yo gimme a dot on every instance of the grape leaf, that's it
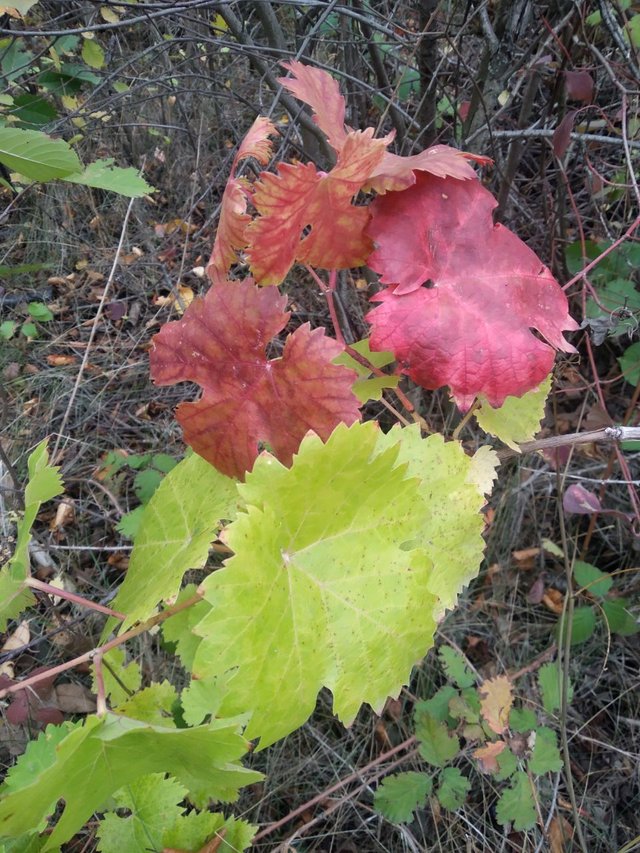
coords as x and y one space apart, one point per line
178 525
496 700
368 387
518 419
44 484
320 592
437 746
299 197
453 788
400 795
153 803
545 757
452 492
470 326
220 344
112 752
120 681
153 704
516 804
191 832
321 92
549 679
456 667
178 629
233 221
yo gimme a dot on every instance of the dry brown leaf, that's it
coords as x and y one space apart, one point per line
553 600
65 514
16 640
526 558
496 701
61 360
487 755
560 832
73 699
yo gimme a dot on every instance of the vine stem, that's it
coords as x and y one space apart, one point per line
102 650
34 583
604 254
613 433
357 774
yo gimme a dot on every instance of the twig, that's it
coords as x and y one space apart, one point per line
94 329
101 650
614 434
34 583
533 133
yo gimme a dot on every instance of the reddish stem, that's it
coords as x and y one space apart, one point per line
101 650
328 295
34 583
101 700
604 254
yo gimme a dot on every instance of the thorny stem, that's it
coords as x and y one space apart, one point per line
34 583
101 650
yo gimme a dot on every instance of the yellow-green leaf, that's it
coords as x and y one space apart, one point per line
518 419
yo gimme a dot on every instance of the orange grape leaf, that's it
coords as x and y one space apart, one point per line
233 221
321 92
220 344
300 198
487 756
496 699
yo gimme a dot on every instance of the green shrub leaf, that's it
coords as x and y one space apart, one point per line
516 805
399 796
35 155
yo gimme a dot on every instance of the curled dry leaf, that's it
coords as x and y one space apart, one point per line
487 756
496 699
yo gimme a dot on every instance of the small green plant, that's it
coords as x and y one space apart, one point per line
150 469
510 743
595 586
38 313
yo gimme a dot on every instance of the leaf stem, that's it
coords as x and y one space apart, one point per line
101 650
34 583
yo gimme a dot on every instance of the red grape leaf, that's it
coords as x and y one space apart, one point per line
220 344
300 197
470 326
321 92
233 221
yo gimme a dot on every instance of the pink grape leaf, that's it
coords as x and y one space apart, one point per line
579 85
299 197
469 326
220 344
321 92
233 221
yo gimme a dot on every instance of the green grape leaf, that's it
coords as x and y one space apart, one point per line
103 175
44 484
153 803
111 752
438 706
201 698
178 629
592 579
35 155
507 765
583 625
522 720
452 491
437 746
516 804
456 667
619 619
152 705
549 680
400 795
630 363
545 757
179 523
320 592
518 419
453 788
368 387
120 681
39 755
193 830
